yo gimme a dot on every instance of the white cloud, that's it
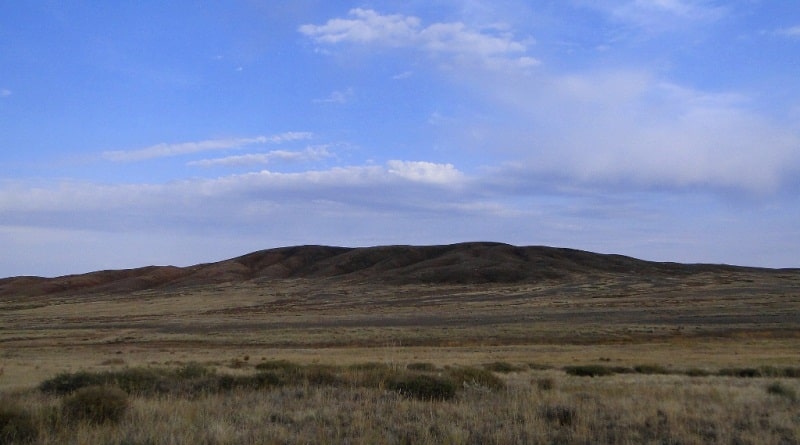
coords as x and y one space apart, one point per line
309 154
95 203
426 172
793 32
5 92
633 128
169 150
492 47
367 26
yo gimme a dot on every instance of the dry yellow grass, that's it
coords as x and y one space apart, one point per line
620 409
710 321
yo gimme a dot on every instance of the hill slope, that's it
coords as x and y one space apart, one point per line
463 263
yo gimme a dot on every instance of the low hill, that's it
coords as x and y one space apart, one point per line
464 263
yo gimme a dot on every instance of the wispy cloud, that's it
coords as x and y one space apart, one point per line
368 27
403 75
83 205
658 15
337 97
183 148
309 154
793 32
5 92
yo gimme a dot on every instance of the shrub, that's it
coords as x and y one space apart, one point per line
476 377
192 370
321 376
369 366
782 390
66 382
539 366
503 367
425 387
545 384
697 372
740 372
16 425
282 365
563 415
770 371
96 404
650 369
422 367
589 370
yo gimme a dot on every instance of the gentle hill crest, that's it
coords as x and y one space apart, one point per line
463 263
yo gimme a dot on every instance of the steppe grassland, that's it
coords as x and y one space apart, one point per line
699 324
535 406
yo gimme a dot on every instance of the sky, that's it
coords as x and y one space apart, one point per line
139 133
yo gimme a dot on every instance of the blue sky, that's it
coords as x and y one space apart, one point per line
138 133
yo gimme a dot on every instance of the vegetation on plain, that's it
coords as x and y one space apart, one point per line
288 402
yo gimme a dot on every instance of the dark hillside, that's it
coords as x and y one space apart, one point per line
465 263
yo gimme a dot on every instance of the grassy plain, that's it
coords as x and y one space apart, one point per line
704 321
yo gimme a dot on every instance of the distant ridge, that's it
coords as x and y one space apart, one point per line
463 263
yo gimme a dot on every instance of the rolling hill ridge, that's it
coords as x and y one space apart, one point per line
464 263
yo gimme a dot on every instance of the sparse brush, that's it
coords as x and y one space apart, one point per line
475 377
779 389
650 369
96 404
787 372
559 414
589 370
539 366
740 372
422 367
502 367
697 372
282 365
369 366
424 387
545 384
67 382
17 425
192 370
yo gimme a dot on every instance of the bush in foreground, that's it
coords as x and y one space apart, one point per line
779 389
424 387
476 377
96 404
16 425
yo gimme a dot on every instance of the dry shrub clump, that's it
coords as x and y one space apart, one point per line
424 387
387 403
16 424
96 404
782 390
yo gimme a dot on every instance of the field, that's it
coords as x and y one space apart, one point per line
703 355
